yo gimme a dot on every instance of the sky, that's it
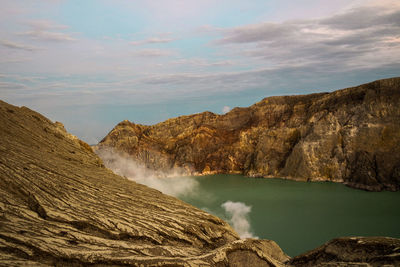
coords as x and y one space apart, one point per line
91 64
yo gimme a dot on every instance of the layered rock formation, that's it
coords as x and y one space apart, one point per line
60 206
350 136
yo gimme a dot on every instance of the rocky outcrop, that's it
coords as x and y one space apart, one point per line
350 136
352 251
59 206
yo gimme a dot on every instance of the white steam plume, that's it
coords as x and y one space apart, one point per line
239 220
226 109
170 183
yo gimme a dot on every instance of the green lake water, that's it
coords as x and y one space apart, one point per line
301 216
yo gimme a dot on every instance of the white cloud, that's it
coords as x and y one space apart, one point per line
48 31
12 86
382 3
149 52
46 25
14 60
154 40
202 62
49 36
19 46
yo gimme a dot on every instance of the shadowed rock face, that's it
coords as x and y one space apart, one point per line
350 136
353 251
60 206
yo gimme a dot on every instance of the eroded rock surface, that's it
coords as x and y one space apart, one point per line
350 136
353 251
60 206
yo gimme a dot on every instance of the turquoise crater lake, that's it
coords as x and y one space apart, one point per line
301 216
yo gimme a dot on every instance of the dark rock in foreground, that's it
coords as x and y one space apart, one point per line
353 251
350 136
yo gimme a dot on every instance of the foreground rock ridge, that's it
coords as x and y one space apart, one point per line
59 206
350 136
352 251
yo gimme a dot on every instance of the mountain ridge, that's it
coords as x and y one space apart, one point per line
348 136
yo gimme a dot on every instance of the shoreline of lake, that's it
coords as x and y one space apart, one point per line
301 215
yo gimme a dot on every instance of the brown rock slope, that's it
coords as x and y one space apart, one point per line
60 206
350 136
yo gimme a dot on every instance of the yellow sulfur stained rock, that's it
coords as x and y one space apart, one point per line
350 136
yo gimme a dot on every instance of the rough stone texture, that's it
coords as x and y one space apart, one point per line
350 136
353 251
60 206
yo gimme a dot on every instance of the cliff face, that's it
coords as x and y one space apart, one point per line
350 136
60 206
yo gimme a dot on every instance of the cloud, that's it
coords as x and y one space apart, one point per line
202 62
48 31
152 53
154 40
226 109
211 82
18 46
193 78
355 38
12 86
46 25
49 36
258 33
364 18
15 60
238 213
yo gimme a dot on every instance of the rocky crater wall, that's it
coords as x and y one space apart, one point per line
59 206
350 136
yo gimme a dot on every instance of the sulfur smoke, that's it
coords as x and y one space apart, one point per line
175 184
225 109
238 213
170 183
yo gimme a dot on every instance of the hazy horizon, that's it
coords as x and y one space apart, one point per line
93 64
